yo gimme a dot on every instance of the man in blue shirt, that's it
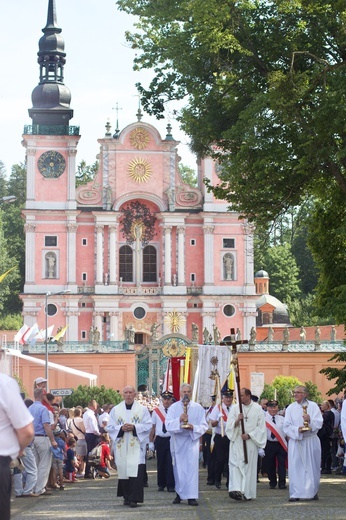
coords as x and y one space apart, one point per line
43 440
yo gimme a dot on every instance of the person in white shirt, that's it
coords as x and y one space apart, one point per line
104 418
276 447
218 419
92 432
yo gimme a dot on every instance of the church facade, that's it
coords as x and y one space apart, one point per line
136 253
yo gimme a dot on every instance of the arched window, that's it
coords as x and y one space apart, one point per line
126 263
149 264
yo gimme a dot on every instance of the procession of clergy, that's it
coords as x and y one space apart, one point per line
180 429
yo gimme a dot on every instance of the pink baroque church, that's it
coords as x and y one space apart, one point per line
136 253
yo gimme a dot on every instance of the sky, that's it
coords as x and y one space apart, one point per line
98 72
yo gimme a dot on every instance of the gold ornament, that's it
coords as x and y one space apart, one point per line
173 349
139 170
139 138
174 320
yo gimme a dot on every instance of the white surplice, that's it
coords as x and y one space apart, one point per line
243 477
304 450
185 447
129 450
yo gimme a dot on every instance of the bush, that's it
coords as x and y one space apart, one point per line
11 322
82 395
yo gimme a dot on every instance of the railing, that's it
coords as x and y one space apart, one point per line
73 347
51 130
139 290
90 289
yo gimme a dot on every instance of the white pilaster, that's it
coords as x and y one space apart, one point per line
99 254
71 252
208 254
72 168
29 253
30 168
168 255
72 322
113 326
113 255
181 255
98 319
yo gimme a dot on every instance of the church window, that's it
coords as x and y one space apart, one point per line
139 338
193 277
84 241
84 277
126 263
50 241
52 309
84 334
192 242
149 264
229 310
228 243
139 313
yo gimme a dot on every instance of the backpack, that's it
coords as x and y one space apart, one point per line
94 457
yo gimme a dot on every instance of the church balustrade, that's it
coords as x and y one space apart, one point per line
139 290
73 347
86 289
51 130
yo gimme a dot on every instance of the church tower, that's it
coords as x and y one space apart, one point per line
51 146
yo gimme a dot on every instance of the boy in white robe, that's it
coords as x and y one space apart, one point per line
243 477
304 447
185 445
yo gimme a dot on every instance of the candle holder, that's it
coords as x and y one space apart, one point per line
306 427
185 401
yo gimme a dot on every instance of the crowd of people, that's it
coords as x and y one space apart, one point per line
54 446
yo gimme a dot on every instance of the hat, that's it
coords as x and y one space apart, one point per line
272 403
227 393
167 395
57 430
39 380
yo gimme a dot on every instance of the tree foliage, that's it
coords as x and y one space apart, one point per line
263 86
86 173
335 374
83 394
282 387
188 175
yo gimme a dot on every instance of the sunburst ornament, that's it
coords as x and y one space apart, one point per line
139 170
174 320
139 138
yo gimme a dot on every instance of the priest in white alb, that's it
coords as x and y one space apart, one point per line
304 448
128 426
242 483
186 427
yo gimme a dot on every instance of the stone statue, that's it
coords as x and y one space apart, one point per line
317 334
270 334
108 197
333 333
96 336
216 335
253 335
238 335
205 336
171 198
51 261
194 332
131 334
286 335
153 330
106 278
91 335
174 280
228 266
60 341
302 334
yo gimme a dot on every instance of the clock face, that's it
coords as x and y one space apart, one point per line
51 164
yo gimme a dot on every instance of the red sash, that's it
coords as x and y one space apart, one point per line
224 416
277 434
160 414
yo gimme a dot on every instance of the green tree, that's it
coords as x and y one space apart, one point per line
82 395
6 263
264 82
283 272
86 173
188 175
335 374
282 387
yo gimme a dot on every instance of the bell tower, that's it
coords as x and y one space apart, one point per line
49 141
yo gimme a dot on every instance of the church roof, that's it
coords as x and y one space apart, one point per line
280 314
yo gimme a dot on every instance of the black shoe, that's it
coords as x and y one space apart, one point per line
133 504
236 495
272 487
126 502
294 499
160 489
171 490
192 502
210 482
89 475
218 485
177 500
146 484
326 472
283 487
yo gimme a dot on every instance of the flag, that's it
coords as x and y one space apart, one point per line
42 333
187 366
231 385
30 334
3 276
60 334
20 334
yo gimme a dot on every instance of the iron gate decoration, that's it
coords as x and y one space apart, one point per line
152 359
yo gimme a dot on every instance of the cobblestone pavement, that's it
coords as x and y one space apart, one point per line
96 499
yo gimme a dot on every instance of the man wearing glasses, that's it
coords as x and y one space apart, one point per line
303 419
